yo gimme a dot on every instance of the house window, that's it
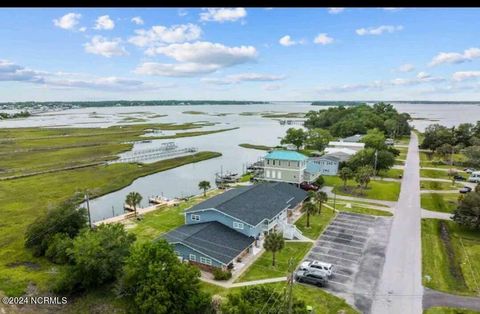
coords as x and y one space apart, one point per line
195 217
298 163
237 225
289 163
205 260
274 162
267 173
192 257
273 174
268 161
279 176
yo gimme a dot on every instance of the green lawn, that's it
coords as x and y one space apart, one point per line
436 174
399 162
377 189
403 140
163 220
439 202
317 223
436 185
262 268
437 161
449 310
446 264
321 301
391 173
420 136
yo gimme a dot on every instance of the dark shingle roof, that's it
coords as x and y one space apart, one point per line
212 239
253 204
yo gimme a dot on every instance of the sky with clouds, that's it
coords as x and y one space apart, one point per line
240 54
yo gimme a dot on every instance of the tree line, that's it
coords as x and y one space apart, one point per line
444 141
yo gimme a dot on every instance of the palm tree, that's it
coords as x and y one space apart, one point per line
321 198
133 199
274 242
345 174
204 185
310 209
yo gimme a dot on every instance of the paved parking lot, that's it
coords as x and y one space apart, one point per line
356 245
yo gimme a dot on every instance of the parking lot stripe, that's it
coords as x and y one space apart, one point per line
348 224
354 231
343 215
343 239
336 257
329 248
359 216
354 223
336 243
342 233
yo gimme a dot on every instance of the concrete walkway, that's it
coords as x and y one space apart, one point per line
436 215
229 285
439 191
433 298
441 169
400 290
387 179
328 190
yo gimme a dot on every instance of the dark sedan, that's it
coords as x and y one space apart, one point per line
465 189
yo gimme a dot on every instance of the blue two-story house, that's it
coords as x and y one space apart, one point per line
222 229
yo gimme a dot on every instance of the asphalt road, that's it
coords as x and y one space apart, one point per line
400 289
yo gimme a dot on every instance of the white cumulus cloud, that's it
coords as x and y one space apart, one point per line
465 75
223 14
69 21
379 30
335 10
196 58
455 57
158 35
104 22
287 41
137 20
100 45
323 39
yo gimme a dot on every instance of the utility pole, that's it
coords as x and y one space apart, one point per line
88 209
376 155
289 292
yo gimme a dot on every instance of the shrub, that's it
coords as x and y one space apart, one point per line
220 274
66 219
320 181
58 249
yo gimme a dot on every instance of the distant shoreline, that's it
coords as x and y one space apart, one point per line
44 106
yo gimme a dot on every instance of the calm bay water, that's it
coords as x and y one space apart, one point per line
253 129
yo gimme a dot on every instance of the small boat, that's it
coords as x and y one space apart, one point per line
159 200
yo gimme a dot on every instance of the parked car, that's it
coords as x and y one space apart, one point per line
326 268
465 189
312 277
469 170
459 177
309 186
474 177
